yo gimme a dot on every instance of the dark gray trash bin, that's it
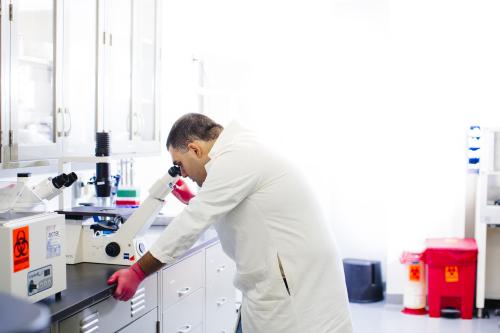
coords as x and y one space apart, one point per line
20 316
364 280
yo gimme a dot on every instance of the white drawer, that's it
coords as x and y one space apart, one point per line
186 315
218 265
220 308
182 279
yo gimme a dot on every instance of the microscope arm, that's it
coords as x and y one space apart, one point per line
47 189
144 215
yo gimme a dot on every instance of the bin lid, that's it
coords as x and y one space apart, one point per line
410 257
454 243
448 251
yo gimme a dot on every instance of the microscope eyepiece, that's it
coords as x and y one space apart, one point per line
174 171
59 181
72 177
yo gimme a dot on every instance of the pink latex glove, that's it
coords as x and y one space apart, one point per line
182 192
127 280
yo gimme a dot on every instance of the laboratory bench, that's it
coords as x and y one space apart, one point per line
195 294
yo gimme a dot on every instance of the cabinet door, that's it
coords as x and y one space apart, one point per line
144 60
220 301
35 126
116 71
185 316
77 85
182 279
128 67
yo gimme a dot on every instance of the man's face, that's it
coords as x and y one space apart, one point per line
191 163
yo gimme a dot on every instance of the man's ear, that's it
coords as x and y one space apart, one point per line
196 148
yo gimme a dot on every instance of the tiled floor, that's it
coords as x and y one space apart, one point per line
387 318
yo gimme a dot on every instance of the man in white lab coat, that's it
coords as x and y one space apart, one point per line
268 222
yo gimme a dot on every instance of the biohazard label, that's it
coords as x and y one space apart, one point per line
414 271
21 248
451 273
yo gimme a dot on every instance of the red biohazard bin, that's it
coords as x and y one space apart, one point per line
451 275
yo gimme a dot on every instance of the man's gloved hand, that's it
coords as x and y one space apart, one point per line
182 192
127 280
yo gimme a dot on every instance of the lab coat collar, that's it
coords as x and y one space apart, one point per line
223 142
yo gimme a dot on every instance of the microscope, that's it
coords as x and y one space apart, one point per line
119 238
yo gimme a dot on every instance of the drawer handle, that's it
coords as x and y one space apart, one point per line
221 268
138 310
183 291
91 323
185 329
95 328
222 301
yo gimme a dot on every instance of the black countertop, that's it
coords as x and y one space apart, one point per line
86 285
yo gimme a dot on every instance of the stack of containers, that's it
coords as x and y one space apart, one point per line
128 197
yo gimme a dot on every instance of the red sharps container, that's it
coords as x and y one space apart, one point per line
451 275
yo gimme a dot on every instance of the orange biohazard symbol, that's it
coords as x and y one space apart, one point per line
21 248
414 271
451 273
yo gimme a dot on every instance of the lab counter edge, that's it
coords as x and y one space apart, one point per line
86 285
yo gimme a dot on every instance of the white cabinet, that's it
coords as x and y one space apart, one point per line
220 300
198 293
182 279
128 80
73 67
34 126
50 78
76 75
185 316
183 294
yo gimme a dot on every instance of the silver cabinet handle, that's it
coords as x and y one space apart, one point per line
137 123
221 268
222 301
183 291
66 112
185 329
59 116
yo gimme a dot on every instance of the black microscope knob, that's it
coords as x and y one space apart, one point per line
113 249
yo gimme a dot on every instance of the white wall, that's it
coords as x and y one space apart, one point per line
371 97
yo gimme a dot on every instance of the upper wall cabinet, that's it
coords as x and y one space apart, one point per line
35 127
76 75
74 67
128 74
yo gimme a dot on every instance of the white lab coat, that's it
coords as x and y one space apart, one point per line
262 209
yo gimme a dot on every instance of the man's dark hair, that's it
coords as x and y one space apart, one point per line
190 127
